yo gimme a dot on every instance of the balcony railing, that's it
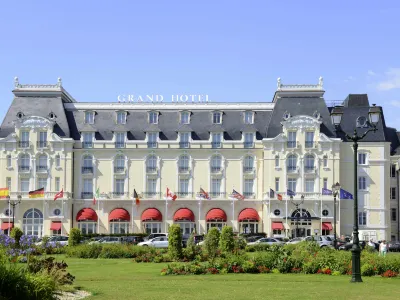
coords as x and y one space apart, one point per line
184 144
119 169
87 195
309 169
216 169
151 169
41 168
216 144
184 194
150 194
119 144
309 144
249 195
183 169
87 145
217 194
152 144
292 169
119 194
291 144
23 144
25 195
248 169
24 168
87 170
248 144
41 144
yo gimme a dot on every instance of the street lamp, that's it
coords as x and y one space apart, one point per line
297 204
13 203
374 114
335 190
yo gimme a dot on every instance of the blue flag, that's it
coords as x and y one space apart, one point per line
290 193
345 194
326 192
271 193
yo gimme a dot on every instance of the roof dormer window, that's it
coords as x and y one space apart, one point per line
121 117
89 117
185 117
217 117
153 117
248 117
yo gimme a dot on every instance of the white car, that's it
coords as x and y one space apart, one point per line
322 240
158 242
295 240
266 241
108 240
55 239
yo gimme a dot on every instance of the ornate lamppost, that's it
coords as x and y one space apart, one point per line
335 190
297 204
13 204
374 114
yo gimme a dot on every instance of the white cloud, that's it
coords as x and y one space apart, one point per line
395 103
371 73
392 80
350 78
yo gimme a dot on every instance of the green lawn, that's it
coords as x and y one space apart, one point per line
124 279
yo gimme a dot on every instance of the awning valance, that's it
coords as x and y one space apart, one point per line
86 214
327 226
216 214
277 226
55 225
249 214
151 214
184 214
119 214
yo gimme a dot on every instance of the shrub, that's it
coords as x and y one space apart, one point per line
57 270
258 248
367 270
240 244
75 237
84 251
227 242
211 242
389 273
16 234
175 242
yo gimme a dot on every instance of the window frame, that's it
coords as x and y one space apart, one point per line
214 117
393 214
245 117
362 183
290 182
153 120
393 193
364 160
89 117
362 218
181 119
392 170
118 120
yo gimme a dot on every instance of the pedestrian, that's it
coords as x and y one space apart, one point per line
383 248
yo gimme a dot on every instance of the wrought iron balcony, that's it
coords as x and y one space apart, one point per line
248 169
87 195
119 144
248 144
41 144
216 144
309 144
309 169
41 169
87 145
150 194
119 169
249 195
119 194
24 168
216 169
183 169
152 144
291 144
184 194
292 169
217 194
87 170
23 144
184 145
151 169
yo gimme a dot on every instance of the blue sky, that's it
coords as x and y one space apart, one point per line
230 50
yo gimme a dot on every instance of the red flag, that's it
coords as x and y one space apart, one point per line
170 195
279 197
59 195
136 196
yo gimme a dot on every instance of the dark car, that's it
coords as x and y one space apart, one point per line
132 240
253 238
394 246
197 239
349 245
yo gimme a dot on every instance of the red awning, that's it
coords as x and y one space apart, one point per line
277 226
151 214
216 214
6 225
184 214
327 226
248 214
119 214
55 225
86 214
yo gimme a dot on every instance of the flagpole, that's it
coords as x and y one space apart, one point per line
269 214
320 213
9 215
198 219
287 226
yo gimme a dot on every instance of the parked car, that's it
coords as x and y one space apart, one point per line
362 244
253 238
158 242
154 235
132 240
295 240
55 239
322 240
394 246
108 240
266 241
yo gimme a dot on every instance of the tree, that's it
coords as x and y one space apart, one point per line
75 237
227 241
175 242
190 250
16 234
211 242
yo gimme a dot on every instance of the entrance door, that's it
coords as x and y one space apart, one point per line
301 232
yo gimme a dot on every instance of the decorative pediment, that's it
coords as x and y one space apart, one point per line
301 122
34 122
324 139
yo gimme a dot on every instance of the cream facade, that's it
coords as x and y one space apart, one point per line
100 153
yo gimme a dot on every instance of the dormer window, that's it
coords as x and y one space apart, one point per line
89 117
217 117
185 117
121 117
248 117
153 117
20 115
120 139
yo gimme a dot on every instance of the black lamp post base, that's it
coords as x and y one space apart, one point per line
356 264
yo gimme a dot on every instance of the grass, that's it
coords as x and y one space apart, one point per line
124 279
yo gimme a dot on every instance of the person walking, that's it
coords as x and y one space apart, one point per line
383 248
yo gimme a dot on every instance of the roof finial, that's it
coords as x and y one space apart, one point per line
16 82
279 83
321 81
59 83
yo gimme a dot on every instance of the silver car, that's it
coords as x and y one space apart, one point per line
266 241
322 240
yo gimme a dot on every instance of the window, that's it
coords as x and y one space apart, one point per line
120 140
87 188
249 140
248 117
58 161
309 139
24 142
277 184
24 184
393 214
152 138
119 164
87 167
151 163
276 161
248 164
393 193
42 165
392 170
325 212
183 187
119 187
57 212
325 184
121 117
8 183
292 184
57 183
216 140
277 212
325 161
152 227
89 117
291 139
309 186
248 188
184 140
185 117
309 161
183 163
33 222
362 218
153 117
216 163
87 227
217 118
362 183
362 158
24 162
42 183
87 139
42 139
9 161
151 186
215 187
292 163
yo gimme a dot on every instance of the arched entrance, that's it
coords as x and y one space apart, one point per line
151 220
216 217
33 222
301 223
185 218
87 221
248 221
119 221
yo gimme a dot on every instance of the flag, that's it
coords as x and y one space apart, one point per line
345 194
279 197
4 192
204 195
59 195
236 195
136 196
97 195
290 193
271 193
39 193
326 192
170 195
